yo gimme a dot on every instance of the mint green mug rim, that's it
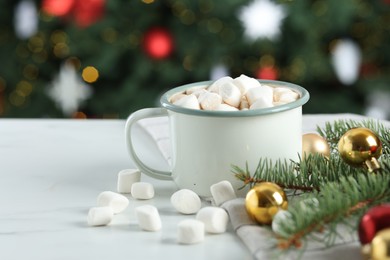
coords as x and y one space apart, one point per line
304 98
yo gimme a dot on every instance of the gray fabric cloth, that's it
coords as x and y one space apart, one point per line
259 239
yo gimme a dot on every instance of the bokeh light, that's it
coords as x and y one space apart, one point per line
90 74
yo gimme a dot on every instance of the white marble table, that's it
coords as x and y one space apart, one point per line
51 172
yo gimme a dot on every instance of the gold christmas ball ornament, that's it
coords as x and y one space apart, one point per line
380 245
314 143
360 147
264 200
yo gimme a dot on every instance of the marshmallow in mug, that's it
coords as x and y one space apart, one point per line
228 94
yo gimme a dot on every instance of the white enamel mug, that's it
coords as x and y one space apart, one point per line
205 144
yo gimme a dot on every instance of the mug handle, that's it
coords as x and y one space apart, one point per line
132 119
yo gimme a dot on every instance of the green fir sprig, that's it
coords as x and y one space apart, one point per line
342 193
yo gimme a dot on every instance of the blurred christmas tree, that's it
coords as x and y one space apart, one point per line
99 58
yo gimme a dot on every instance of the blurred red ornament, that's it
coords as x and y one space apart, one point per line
84 12
158 43
58 7
374 220
267 72
87 12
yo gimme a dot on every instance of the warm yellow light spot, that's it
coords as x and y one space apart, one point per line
79 115
58 36
109 35
267 61
90 74
16 98
24 88
148 1
30 72
187 17
35 44
40 57
61 50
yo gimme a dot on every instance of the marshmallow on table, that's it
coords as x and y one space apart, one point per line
263 91
244 83
142 190
190 231
215 219
230 94
126 178
186 201
214 87
222 192
116 201
148 218
209 100
189 101
100 216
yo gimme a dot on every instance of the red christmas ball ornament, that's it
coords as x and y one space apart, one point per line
87 12
158 43
58 7
374 220
267 72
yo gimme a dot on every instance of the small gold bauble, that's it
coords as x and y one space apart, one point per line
380 245
314 143
264 200
359 147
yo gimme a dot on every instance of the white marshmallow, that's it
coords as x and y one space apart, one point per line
263 91
186 201
199 92
100 216
148 218
285 95
192 90
222 192
189 101
176 97
215 219
230 94
244 83
214 87
190 231
126 178
225 107
209 101
244 103
142 190
117 202
261 102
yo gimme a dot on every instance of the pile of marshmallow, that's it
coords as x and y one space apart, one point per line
210 219
228 94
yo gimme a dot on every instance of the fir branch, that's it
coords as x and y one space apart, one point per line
306 175
333 131
336 203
